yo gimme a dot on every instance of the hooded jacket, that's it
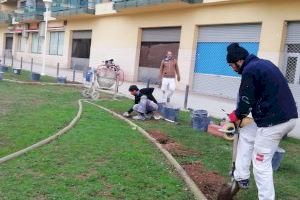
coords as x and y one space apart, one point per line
265 93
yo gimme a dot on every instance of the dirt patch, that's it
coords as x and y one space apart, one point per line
209 183
171 146
86 175
178 150
160 137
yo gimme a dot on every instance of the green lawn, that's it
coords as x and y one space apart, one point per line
96 160
216 152
100 158
30 113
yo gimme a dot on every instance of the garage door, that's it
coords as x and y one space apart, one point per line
292 59
212 75
155 42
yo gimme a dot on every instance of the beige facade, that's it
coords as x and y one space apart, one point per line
118 35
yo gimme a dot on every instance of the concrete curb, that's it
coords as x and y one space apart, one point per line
47 140
190 183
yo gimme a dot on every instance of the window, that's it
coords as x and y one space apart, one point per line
37 43
81 48
22 43
152 53
56 43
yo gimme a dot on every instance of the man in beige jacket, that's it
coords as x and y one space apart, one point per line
168 72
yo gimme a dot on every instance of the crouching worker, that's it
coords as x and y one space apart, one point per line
144 103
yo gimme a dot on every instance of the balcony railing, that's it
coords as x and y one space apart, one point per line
123 4
73 7
58 8
29 14
5 17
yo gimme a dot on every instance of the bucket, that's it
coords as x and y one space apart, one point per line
17 71
200 120
168 112
277 158
4 68
88 76
35 76
62 79
1 76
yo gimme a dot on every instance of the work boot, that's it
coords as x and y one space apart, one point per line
243 184
139 117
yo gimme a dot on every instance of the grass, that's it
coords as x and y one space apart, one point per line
95 160
29 113
216 152
100 158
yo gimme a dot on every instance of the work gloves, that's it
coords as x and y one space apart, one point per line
232 117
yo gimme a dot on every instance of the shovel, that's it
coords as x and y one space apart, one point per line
229 190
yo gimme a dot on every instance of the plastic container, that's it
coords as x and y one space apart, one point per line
200 120
17 71
277 158
62 79
88 76
168 112
4 68
1 76
35 76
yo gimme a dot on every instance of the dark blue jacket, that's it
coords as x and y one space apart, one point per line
265 93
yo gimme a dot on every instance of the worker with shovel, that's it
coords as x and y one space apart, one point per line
145 104
265 93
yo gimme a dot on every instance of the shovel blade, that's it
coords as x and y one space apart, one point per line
228 191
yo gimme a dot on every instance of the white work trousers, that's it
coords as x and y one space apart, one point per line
260 144
168 87
145 106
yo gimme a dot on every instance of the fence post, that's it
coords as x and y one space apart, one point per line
21 67
186 96
31 65
148 83
74 73
57 70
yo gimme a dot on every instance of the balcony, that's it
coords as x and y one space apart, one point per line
5 18
66 8
121 5
28 14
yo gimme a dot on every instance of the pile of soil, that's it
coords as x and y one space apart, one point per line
209 183
171 146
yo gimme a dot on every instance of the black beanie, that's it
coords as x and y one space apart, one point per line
236 53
